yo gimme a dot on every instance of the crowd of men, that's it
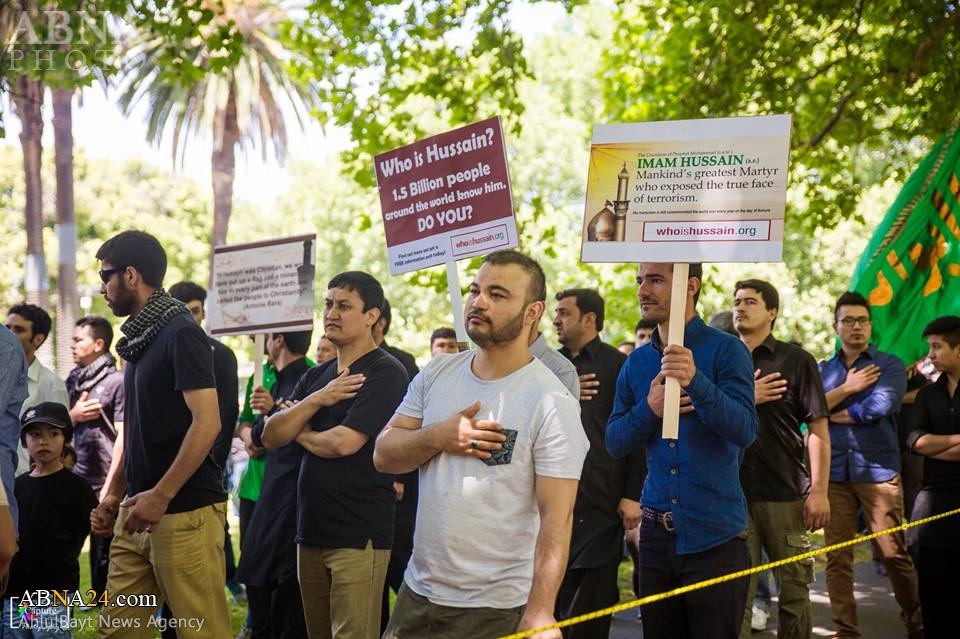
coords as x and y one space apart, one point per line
493 491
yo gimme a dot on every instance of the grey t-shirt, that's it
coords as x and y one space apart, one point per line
477 524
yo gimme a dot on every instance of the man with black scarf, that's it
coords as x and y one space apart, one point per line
168 536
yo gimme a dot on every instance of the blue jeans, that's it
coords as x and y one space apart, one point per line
36 622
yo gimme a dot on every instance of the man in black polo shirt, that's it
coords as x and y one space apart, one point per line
344 506
168 537
784 500
935 434
609 491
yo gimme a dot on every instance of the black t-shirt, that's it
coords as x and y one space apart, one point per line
405 358
157 417
936 412
597 527
344 502
774 466
54 522
225 377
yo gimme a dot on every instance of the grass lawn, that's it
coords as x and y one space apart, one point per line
238 612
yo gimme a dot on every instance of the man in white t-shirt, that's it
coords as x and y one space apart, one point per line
498 442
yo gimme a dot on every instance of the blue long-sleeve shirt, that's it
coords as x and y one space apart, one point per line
867 450
13 390
696 477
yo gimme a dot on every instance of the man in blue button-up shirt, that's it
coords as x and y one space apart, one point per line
864 388
694 518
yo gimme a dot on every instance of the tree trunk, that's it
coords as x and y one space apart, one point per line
27 96
67 300
223 164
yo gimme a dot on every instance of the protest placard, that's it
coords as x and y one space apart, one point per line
263 287
687 191
446 197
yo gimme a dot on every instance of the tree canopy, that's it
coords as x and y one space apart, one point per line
862 79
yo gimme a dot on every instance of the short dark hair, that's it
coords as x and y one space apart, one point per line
696 270
99 327
38 317
297 342
538 282
588 301
771 298
850 298
643 323
444 332
138 249
386 316
365 285
187 292
723 321
947 326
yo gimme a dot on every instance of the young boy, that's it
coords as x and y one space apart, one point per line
55 510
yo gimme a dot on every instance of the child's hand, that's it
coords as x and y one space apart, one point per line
104 516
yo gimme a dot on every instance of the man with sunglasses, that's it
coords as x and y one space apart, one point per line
864 388
167 494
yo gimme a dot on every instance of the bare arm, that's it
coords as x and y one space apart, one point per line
951 454
339 441
816 508
555 498
283 427
405 444
104 515
147 507
930 445
115 482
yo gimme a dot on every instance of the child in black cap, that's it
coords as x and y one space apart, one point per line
55 510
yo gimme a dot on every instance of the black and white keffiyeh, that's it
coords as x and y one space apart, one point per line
142 328
86 378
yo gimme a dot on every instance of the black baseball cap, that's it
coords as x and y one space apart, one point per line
51 413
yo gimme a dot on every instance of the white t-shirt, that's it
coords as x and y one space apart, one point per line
477 524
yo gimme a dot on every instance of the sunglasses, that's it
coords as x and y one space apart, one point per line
107 273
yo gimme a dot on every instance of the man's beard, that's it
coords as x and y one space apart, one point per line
496 334
124 301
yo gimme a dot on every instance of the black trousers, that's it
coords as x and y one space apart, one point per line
938 571
585 590
99 562
715 611
277 613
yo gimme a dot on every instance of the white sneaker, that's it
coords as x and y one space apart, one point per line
758 621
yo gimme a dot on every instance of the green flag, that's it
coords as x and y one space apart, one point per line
910 271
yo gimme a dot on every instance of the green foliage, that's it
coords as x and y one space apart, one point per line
65 44
861 80
110 197
238 68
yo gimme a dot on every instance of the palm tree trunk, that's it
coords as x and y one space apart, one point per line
67 300
223 164
27 98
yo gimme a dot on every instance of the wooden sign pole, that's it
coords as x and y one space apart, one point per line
678 310
258 360
456 304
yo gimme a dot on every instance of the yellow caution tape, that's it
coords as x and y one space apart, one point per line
718 580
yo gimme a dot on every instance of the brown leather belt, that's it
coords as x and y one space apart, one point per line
657 517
